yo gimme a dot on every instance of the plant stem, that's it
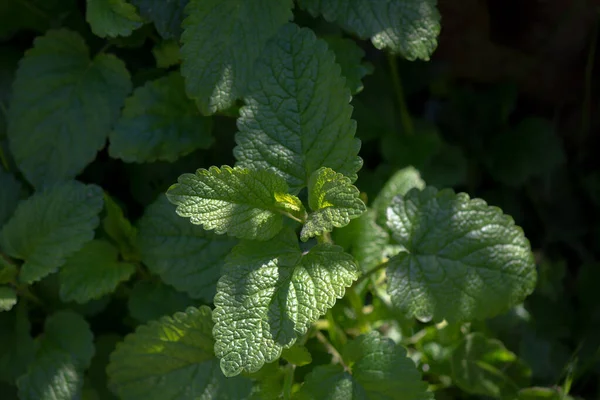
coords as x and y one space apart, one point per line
288 381
337 357
407 124
370 272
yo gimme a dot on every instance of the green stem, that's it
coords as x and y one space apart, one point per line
405 118
288 381
337 357
370 272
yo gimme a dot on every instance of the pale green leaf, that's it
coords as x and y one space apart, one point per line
464 260
379 370
166 53
297 355
17 347
270 293
229 35
167 15
120 229
52 376
240 202
92 272
349 57
333 201
9 195
297 117
152 300
50 226
112 18
8 298
399 184
173 359
406 27
364 239
63 106
184 255
159 123
485 367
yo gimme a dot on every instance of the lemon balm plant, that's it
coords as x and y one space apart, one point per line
267 265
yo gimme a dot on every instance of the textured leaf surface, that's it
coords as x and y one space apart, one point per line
464 260
152 300
63 106
50 226
333 201
399 184
8 298
364 239
270 293
297 116
406 27
9 195
350 58
52 376
231 34
92 272
240 202
484 366
184 255
159 122
167 15
379 370
173 359
112 17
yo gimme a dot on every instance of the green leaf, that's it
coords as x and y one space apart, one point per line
399 184
173 359
159 122
530 149
52 376
268 382
58 94
297 117
240 202
333 201
50 226
270 293
349 57
112 17
36 15
364 239
378 369
166 53
406 27
92 272
166 15
9 195
8 271
484 366
105 345
152 300
8 298
184 255
297 355
119 229
541 393
464 260
69 333
233 33
17 347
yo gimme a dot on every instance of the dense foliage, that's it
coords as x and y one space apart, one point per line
264 199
